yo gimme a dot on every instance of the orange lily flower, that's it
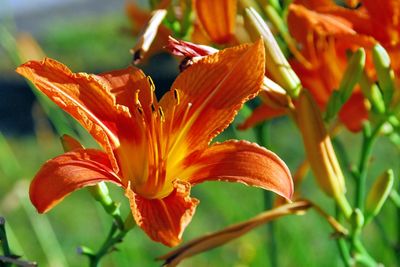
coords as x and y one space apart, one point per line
217 19
157 150
325 39
328 30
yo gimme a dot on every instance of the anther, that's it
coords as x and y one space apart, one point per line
137 102
153 108
176 96
161 113
152 86
140 110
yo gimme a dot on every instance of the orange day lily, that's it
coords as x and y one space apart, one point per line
157 150
328 30
325 39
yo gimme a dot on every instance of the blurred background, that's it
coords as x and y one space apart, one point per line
95 36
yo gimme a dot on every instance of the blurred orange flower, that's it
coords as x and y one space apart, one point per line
157 150
217 19
325 38
326 31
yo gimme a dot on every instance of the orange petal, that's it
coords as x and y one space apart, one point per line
99 103
212 91
385 20
217 18
243 162
164 220
313 4
78 94
66 173
69 143
354 112
261 114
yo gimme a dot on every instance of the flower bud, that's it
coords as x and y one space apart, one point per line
378 194
350 78
318 147
384 72
275 62
148 35
373 93
273 95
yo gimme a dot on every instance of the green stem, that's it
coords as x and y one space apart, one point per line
362 255
358 251
262 133
369 139
115 236
105 248
341 242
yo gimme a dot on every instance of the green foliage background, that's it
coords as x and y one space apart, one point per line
93 45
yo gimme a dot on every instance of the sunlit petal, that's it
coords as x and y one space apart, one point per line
164 220
66 173
243 162
217 18
212 91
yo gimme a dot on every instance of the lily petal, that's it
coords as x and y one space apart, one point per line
212 91
359 112
66 173
260 114
243 162
164 220
79 94
217 18
99 103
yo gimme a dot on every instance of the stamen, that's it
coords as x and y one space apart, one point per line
161 114
182 132
137 101
176 96
152 86
140 110
153 107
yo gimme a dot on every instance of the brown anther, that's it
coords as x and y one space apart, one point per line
153 108
152 86
161 113
176 96
140 110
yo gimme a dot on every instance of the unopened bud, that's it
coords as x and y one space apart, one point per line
275 61
357 221
384 72
378 194
273 95
372 92
318 147
148 35
350 78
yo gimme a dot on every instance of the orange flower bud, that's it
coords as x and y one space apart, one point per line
318 146
274 95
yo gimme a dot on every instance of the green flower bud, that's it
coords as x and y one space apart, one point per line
275 61
384 72
378 194
350 78
373 93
